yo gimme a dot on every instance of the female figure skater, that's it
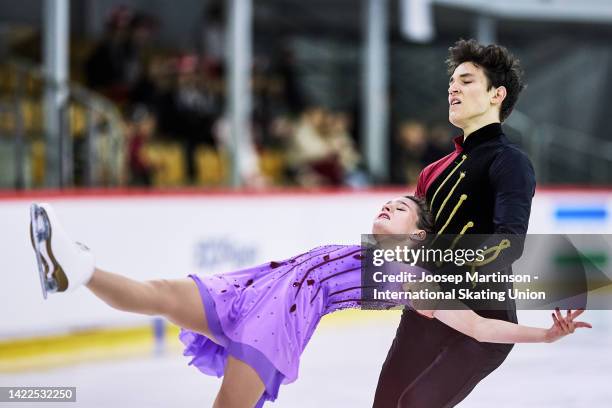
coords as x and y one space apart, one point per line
251 326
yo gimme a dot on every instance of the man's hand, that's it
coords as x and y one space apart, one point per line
562 326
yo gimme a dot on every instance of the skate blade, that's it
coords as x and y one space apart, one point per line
40 235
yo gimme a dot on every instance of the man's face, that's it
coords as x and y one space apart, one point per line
468 97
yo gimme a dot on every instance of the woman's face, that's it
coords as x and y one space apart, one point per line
398 216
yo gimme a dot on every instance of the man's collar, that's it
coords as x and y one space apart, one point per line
478 137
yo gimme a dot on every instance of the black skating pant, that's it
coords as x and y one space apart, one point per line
430 365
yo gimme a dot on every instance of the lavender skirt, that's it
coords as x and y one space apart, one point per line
265 315
211 358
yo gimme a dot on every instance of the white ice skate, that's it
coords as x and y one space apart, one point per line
63 264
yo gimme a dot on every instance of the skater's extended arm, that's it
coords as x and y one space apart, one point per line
499 331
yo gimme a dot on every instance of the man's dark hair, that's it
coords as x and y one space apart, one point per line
425 221
500 67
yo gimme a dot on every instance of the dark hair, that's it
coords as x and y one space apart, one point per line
425 221
500 67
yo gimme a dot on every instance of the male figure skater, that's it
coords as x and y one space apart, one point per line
484 187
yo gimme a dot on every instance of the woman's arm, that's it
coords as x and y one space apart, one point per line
499 331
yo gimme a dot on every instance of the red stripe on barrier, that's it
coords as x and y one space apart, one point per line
136 193
141 193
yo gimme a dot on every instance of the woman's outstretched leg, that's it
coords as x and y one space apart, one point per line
241 387
178 300
64 265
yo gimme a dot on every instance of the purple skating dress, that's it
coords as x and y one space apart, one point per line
266 315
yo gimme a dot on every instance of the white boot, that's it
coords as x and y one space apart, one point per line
63 264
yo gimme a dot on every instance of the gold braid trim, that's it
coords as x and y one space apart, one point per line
452 214
503 244
470 224
450 193
445 180
450 217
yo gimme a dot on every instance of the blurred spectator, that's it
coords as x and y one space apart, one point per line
116 63
412 141
308 152
338 136
322 152
141 128
105 65
142 27
189 110
154 82
211 37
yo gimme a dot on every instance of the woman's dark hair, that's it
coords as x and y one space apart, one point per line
425 221
500 67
